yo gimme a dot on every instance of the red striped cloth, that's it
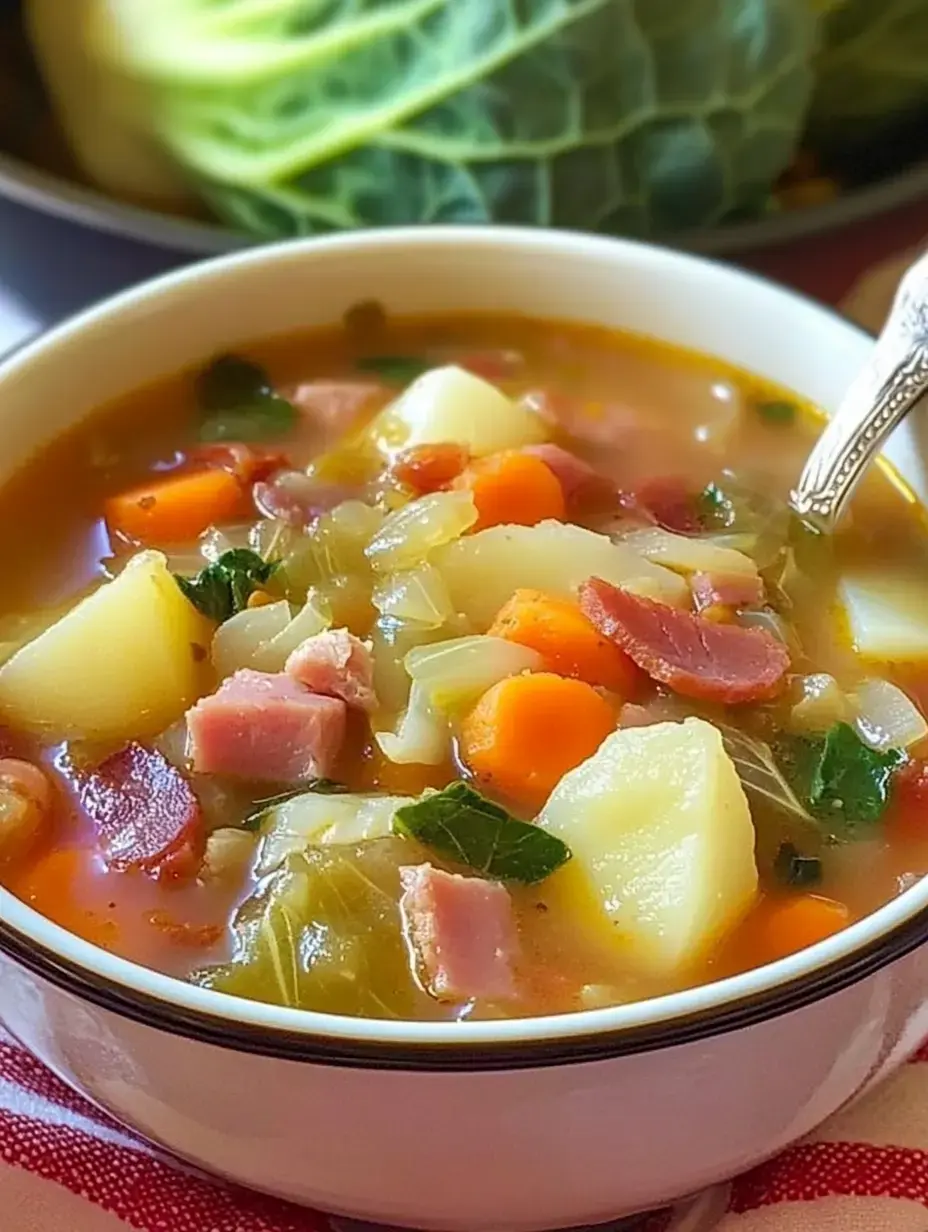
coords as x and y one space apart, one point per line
66 1165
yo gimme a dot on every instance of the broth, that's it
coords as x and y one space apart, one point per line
680 436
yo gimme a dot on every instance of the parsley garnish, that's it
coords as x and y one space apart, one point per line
464 827
224 587
239 403
844 782
778 411
322 787
795 869
715 510
397 369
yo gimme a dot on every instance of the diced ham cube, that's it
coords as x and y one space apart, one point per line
726 590
268 727
337 664
144 811
335 405
463 933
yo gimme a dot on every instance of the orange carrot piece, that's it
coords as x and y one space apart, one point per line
52 884
174 509
569 643
513 487
527 731
782 926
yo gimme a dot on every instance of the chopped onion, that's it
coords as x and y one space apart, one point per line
770 622
237 642
392 640
688 555
315 616
228 854
455 673
418 594
422 736
887 718
822 703
407 536
172 745
316 819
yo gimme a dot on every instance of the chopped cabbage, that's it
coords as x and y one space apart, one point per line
316 819
454 674
482 570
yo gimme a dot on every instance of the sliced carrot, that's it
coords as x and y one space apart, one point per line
174 509
569 643
52 886
513 487
782 926
527 731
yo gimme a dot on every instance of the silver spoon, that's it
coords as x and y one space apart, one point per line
893 381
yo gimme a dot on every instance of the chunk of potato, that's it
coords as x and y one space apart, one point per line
886 613
450 404
481 571
124 663
663 844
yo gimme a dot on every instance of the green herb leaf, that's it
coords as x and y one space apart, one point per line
461 825
845 783
323 787
852 780
225 586
239 402
795 869
778 411
397 369
714 508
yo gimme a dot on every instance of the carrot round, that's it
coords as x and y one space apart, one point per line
527 731
174 509
782 926
569 643
513 487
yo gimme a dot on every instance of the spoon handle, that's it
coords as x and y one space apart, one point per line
893 380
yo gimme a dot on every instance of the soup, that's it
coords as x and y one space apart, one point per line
461 667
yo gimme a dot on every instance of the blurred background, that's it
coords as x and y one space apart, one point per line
788 135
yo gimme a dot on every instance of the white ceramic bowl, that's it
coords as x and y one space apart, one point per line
517 1125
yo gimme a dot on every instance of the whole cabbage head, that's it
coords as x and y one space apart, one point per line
298 117
871 70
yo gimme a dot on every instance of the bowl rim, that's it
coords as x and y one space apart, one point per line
167 1003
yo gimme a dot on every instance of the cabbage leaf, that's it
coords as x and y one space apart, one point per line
301 117
871 70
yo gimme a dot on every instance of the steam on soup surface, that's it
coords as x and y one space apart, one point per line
466 666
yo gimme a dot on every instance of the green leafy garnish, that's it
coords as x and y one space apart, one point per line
845 782
795 869
778 411
397 369
265 806
240 403
224 587
461 825
714 508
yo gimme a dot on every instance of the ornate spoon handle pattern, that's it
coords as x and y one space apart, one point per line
893 381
